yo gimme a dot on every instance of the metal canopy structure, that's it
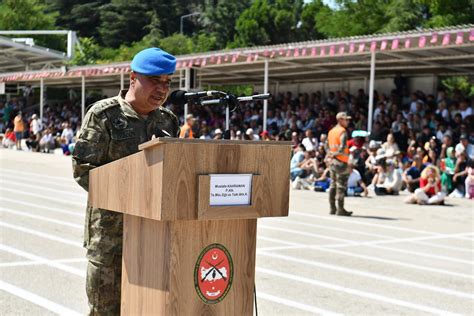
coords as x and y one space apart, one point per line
16 56
434 52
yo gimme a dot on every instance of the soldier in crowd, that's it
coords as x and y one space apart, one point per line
112 129
338 159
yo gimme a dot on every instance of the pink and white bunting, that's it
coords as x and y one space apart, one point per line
383 45
459 38
342 48
373 46
395 43
351 48
204 62
361 47
446 39
434 38
408 43
471 36
313 52
332 50
322 52
422 41
296 52
303 51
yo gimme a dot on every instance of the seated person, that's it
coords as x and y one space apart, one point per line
388 179
47 142
429 191
32 143
322 183
470 181
411 176
296 163
355 185
9 139
447 167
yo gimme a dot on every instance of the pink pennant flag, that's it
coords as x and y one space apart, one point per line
288 52
303 51
219 59
178 64
313 51
281 52
226 58
407 43
446 39
255 57
249 58
265 53
383 45
342 48
373 46
272 54
204 61
351 48
459 38
434 38
395 43
361 47
235 57
191 62
422 41
471 36
323 51
213 59
332 50
296 52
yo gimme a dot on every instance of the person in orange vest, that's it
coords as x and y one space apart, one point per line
19 129
338 160
187 128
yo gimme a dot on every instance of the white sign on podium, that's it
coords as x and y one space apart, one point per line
230 189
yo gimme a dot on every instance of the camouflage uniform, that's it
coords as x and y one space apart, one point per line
339 175
111 130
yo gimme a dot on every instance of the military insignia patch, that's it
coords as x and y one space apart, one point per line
213 273
120 123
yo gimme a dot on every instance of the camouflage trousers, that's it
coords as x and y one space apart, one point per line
103 286
339 176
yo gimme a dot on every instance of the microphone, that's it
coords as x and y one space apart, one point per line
180 97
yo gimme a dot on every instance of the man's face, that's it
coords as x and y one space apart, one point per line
344 122
150 91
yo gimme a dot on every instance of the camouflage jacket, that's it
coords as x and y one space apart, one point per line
112 130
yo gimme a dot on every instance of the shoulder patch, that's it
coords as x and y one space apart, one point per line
104 104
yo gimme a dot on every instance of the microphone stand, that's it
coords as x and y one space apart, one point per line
230 100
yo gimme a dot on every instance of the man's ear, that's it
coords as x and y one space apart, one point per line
133 77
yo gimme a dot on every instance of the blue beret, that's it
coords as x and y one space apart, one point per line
153 62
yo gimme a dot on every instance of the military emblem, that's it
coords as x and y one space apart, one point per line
120 123
213 273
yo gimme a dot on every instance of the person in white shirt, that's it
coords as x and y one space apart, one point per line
310 142
464 145
35 126
355 185
47 141
67 134
465 109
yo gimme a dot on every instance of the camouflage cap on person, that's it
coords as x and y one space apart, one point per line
343 115
153 62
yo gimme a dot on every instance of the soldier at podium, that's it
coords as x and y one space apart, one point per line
112 129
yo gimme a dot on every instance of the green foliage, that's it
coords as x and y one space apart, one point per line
25 15
177 44
237 90
462 83
447 12
87 52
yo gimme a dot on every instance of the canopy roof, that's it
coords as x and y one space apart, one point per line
17 56
443 51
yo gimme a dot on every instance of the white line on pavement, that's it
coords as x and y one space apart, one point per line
369 295
354 220
36 299
37 262
366 274
40 175
42 218
451 248
300 306
41 196
43 181
298 232
42 188
47 262
46 208
40 234
283 242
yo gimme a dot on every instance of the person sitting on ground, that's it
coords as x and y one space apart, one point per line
47 142
411 176
447 166
429 191
390 146
296 163
355 185
32 143
9 139
322 183
388 179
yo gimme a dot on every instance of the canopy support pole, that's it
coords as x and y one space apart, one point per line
83 96
187 85
265 90
41 99
371 93
121 81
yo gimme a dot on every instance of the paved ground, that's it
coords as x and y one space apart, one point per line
389 259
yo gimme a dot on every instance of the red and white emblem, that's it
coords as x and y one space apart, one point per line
213 273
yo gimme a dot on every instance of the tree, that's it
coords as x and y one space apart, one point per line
177 44
219 19
441 13
123 23
308 29
86 52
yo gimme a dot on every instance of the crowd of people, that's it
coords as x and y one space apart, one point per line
419 142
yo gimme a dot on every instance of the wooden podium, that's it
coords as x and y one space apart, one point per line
182 256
